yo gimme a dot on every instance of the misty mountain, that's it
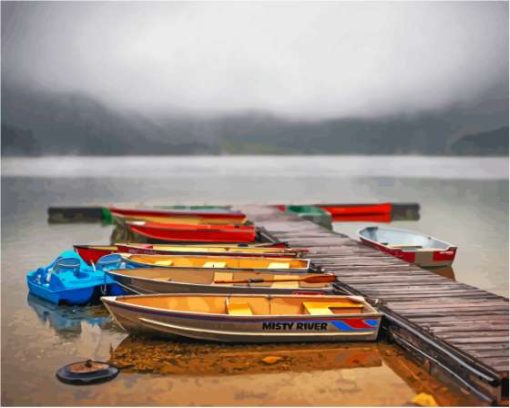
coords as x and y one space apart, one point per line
485 143
42 123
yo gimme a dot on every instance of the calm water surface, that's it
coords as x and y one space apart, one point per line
464 201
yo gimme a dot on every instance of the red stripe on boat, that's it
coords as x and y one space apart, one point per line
357 323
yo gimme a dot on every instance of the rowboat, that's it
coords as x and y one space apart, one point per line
179 219
68 279
224 262
359 212
168 280
247 318
168 212
409 246
92 253
198 233
223 250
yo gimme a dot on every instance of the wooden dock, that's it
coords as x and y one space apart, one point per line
450 327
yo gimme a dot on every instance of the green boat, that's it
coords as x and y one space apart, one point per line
311 213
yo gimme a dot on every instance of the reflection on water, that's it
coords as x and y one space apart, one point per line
194 358
348 366
67 320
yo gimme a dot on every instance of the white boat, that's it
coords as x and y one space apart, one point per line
247 318
175 280
410 246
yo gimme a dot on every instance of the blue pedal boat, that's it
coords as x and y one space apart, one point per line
70 280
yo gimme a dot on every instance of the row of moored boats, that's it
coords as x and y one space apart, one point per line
206 274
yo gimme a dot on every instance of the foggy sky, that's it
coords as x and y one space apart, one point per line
310 60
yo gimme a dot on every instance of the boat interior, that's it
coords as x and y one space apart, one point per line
197 261
181 219
240 305
207 249
402 239
209 277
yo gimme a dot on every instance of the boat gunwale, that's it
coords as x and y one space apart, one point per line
450 247
109 300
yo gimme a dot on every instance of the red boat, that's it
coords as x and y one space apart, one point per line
379 212
194 233
133 212
359 212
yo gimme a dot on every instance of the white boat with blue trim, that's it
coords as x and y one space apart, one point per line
241 318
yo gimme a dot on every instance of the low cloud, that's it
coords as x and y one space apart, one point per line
301 60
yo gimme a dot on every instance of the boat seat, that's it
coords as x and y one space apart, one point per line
239 309
214 264
278 265
165 262
321 308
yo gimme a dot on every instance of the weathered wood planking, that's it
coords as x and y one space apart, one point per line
461 329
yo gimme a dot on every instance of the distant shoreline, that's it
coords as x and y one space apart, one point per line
258 167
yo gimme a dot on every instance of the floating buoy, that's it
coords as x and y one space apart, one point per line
87 372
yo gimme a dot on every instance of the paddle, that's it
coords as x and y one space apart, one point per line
308 279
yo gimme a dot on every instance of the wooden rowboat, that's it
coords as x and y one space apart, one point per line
92 253
409 246
168 280
247 318
224 262
198 233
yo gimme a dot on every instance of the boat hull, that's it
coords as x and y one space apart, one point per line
237 329
173 233
73 287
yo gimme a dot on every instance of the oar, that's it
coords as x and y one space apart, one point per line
308 279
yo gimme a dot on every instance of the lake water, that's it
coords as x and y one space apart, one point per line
463 201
